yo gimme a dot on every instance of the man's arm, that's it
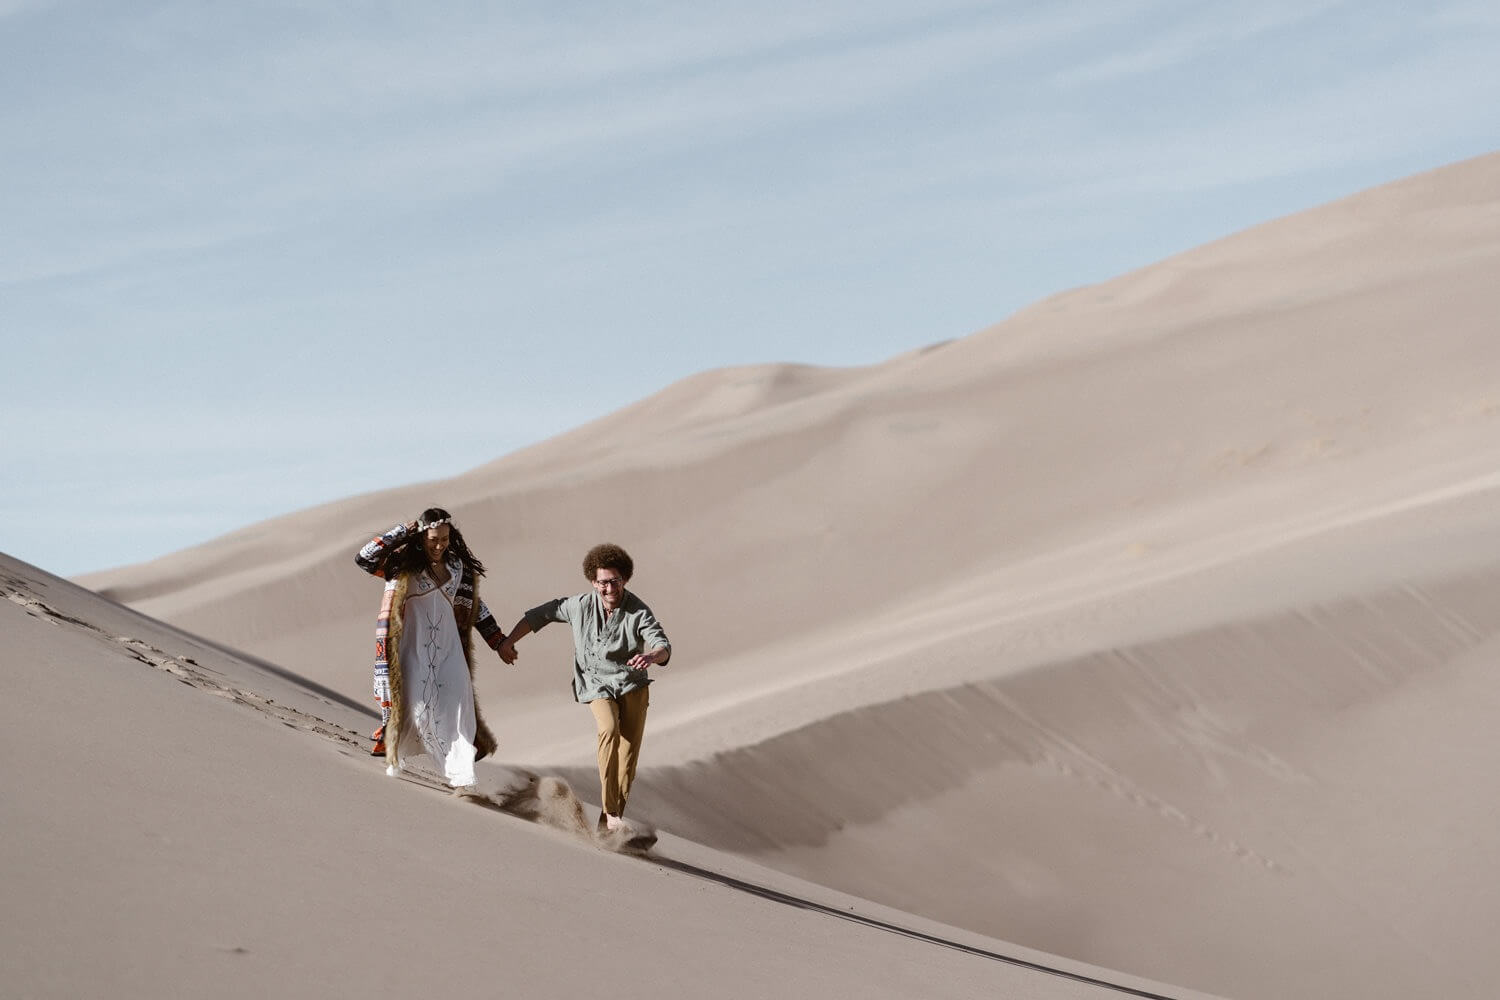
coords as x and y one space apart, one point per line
658 648
532 621
507 647
650 658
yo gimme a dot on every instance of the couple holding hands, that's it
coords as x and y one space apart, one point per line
424 660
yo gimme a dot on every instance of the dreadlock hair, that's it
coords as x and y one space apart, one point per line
410 557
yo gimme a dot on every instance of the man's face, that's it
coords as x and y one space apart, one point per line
610 586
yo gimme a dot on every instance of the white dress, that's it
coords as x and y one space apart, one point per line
438 719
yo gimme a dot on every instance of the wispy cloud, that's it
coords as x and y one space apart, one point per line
9 8
1187 33
222 207
310 123
1476 14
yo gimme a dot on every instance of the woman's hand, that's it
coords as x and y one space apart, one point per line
507 651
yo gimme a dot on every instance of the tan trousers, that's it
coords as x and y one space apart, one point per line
621 723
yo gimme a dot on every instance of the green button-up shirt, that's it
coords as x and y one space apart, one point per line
601 648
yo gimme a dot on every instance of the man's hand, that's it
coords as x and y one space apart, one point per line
507 651
641 661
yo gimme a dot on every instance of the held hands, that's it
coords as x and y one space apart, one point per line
507 651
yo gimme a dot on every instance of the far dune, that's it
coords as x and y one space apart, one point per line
1146 627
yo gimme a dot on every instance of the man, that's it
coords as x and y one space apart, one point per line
616 640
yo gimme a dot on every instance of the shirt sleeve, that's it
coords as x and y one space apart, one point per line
556 610
372 557
653 636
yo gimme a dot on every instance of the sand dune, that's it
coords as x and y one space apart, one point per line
181 822
1134 628
1315 776
1109 411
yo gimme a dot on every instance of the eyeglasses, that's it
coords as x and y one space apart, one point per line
612 582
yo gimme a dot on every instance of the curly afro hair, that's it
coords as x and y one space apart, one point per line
608 556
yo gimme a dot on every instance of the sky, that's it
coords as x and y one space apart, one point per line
258 256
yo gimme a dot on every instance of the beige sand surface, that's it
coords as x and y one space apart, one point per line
1148 627
181 822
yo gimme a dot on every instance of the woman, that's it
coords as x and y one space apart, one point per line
616 640
424 662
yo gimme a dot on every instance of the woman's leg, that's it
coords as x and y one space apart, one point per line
458 766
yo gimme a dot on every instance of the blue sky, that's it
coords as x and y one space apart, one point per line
258 256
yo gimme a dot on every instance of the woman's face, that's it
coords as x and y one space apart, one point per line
435 543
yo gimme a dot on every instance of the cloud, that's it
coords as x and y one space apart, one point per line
188 185
1479 14
210 143
11 8
1189 34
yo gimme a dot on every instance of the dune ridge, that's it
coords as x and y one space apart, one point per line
915 433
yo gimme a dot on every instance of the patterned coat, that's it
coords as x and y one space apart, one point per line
469 613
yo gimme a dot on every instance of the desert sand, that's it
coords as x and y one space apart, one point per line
1147 629
182 821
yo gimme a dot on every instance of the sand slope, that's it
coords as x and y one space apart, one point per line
1310 788
1133 628
179 821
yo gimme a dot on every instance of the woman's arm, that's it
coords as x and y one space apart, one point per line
377 550
489 629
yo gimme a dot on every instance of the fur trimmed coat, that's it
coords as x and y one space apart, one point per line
469 613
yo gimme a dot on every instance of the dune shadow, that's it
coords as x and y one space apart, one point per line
1217 698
